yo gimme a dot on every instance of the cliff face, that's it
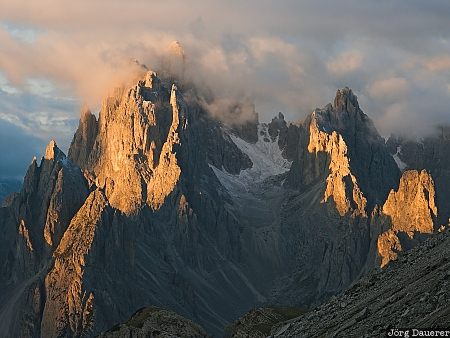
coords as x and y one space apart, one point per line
130 150
33 223
412 292
341 142
159 204
347 212
341 184
148 212
411 210
431 153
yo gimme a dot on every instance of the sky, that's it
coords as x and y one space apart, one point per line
291 56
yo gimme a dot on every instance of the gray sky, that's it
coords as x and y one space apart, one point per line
288 56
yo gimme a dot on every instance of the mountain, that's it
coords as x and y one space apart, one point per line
159 204
386 299
429 153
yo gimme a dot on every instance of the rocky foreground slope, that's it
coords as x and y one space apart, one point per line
158 204
152 322
412 292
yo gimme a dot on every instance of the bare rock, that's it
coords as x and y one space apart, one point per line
155 322
412 209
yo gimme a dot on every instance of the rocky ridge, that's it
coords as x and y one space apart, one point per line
429 153
411 210
265 213
386 298
153 322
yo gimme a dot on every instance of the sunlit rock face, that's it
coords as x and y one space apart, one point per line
341 139
131 147
148 212
33 224
160 204
342 185
340 170
431 153
68 308
411 210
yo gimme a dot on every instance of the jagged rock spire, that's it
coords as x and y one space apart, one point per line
345 100
140 120
52 152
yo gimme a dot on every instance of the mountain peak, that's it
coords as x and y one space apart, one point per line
345 100
151 80
351 139
52 151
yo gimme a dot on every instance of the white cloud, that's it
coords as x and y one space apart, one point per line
393 88
215 61
288 58
345 63
438 64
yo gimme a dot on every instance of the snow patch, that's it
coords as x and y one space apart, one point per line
400 164
266 157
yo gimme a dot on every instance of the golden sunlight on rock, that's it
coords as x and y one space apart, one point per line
167 173
24 232
411 208
341 183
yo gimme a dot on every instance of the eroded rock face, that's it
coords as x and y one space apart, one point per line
33 224
342 185
175 209
287 134
222 152
342 171
412 292
51 194
69 309
84 138
148 167
154 209
411 210
133 144
431 153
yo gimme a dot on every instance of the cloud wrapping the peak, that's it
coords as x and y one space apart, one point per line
289 56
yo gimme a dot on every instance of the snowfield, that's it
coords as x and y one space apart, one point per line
267 160
400 164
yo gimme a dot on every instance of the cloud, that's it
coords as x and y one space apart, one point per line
56 55
438 64
39 115
231 111
345 63
393 88
214 61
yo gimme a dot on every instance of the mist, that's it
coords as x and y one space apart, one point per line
289 57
